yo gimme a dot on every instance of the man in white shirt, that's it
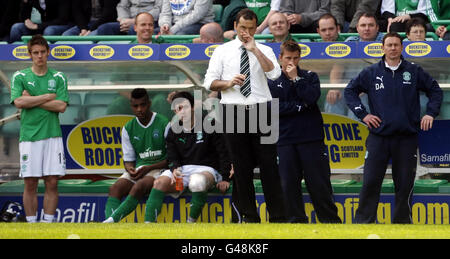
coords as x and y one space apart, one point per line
239 69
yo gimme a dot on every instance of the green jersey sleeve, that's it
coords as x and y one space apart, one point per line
16 86
62 93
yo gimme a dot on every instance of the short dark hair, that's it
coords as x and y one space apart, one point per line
392 34
368 15
290 46
416 21
37 39
139 93
247 14
185 95
327 16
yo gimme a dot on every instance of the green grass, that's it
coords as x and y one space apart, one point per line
219 231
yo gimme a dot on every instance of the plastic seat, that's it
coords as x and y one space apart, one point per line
218 11
99 98
75 98
114 42
72 115
95 111
10 128
74 42
445 111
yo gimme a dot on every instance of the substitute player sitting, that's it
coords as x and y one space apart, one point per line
197 157
144 156
41 93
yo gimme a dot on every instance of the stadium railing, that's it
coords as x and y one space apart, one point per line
186 38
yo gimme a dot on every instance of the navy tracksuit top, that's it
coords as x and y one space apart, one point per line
394 96
300 117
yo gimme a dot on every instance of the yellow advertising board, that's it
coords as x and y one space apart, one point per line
97 143
345 139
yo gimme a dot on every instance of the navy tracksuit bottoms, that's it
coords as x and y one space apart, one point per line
307 161
380 149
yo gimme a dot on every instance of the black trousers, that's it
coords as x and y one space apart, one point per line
247 152
307 161
403 152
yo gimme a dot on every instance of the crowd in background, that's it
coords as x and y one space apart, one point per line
178 17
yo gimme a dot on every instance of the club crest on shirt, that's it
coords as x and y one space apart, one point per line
406 77
51 85
156 133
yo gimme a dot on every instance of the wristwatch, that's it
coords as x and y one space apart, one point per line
296 79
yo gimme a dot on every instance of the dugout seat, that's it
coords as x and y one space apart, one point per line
11 129
75 99
95 111
72 115
69 42
445 111
218 11
104 98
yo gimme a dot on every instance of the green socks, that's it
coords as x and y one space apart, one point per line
156 198
111 205
125 208
154 205
197 202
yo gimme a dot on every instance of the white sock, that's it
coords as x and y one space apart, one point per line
31 219
48 218
109 220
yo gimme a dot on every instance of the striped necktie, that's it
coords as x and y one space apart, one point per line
245 70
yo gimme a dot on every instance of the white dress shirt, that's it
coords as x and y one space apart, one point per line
225 64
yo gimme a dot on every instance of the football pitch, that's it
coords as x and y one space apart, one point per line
219 231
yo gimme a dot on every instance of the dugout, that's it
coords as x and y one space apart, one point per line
102 69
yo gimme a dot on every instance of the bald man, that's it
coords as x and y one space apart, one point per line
279 27
210 33
144 26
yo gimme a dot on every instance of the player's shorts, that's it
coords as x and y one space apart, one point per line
187 170
155 173
42 158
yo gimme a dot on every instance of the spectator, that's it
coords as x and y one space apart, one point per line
185 18
210 33
9 14
439 10
303 15
367 28
229 15
126 13
144 26
348 11
81 12
416 29
395 13
279 27
108 13
55 19
328 29
263 28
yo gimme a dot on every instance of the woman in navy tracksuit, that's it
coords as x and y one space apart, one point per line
301 149
393 86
